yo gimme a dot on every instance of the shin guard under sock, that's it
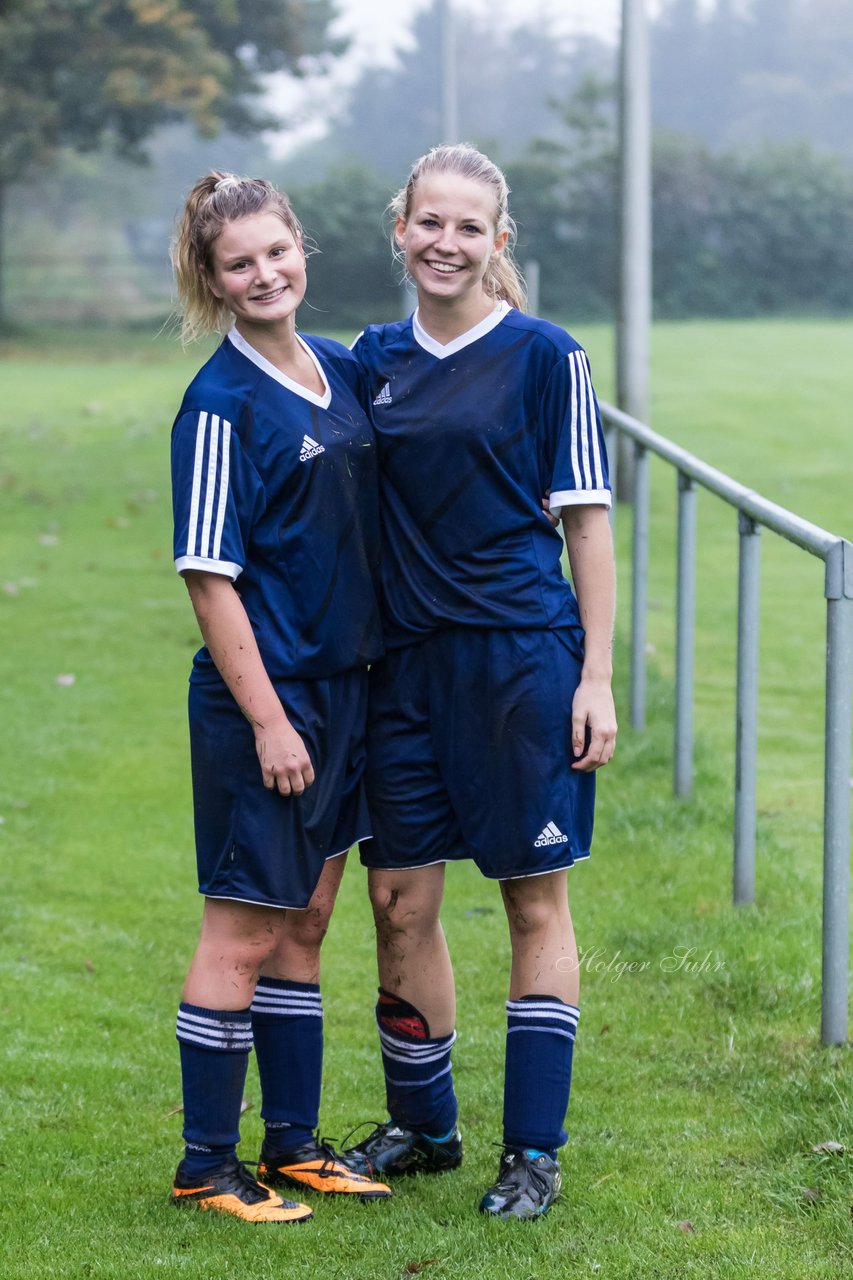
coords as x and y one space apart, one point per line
418 1076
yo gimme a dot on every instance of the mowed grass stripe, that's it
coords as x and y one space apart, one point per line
700 1087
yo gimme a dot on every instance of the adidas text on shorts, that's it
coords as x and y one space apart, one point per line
470 754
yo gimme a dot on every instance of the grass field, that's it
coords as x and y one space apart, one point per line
701 1091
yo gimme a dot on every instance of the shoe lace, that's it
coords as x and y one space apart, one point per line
255 1191
515 1168
331 1156
376 1126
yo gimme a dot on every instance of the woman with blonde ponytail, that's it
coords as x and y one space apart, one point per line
276 538
492 709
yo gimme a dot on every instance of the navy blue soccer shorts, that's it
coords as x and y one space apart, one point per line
253 844
469 754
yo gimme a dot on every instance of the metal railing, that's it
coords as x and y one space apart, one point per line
754 512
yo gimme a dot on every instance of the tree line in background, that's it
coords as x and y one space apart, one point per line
104 75
744 232
753 165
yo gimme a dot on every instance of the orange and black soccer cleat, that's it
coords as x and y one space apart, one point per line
316 1165
232 1189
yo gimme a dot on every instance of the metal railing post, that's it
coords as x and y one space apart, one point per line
639 587
754 512
746 715
836 813
684 636
611 445
634 313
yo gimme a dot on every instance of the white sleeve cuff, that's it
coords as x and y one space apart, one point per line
223 567
578 498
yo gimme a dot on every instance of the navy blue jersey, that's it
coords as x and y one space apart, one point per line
470 436
274 486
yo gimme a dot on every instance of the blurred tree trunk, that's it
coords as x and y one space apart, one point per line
3 317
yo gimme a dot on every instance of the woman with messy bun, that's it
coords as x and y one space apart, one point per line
276 538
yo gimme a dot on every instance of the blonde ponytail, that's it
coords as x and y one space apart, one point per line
216 199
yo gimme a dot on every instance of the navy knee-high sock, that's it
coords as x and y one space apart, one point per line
418 1076
539 1044
215 1045
287 1020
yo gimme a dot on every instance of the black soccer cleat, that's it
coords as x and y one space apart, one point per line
391 1150
232 1189
316 1165
528 1184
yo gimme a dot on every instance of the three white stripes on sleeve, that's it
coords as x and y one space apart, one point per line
215 496
587 470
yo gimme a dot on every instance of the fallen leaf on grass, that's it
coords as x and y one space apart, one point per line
604 1030
66 679
412 1268
687 1227
87 964
810 1194
830 1148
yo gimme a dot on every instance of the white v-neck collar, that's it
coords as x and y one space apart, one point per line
480 330
245 348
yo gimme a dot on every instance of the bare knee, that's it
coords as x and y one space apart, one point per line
384 899
307 928
532 909
407 902
527 919
238 938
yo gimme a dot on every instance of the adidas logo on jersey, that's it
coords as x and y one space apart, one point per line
310 449
384 396
551 834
